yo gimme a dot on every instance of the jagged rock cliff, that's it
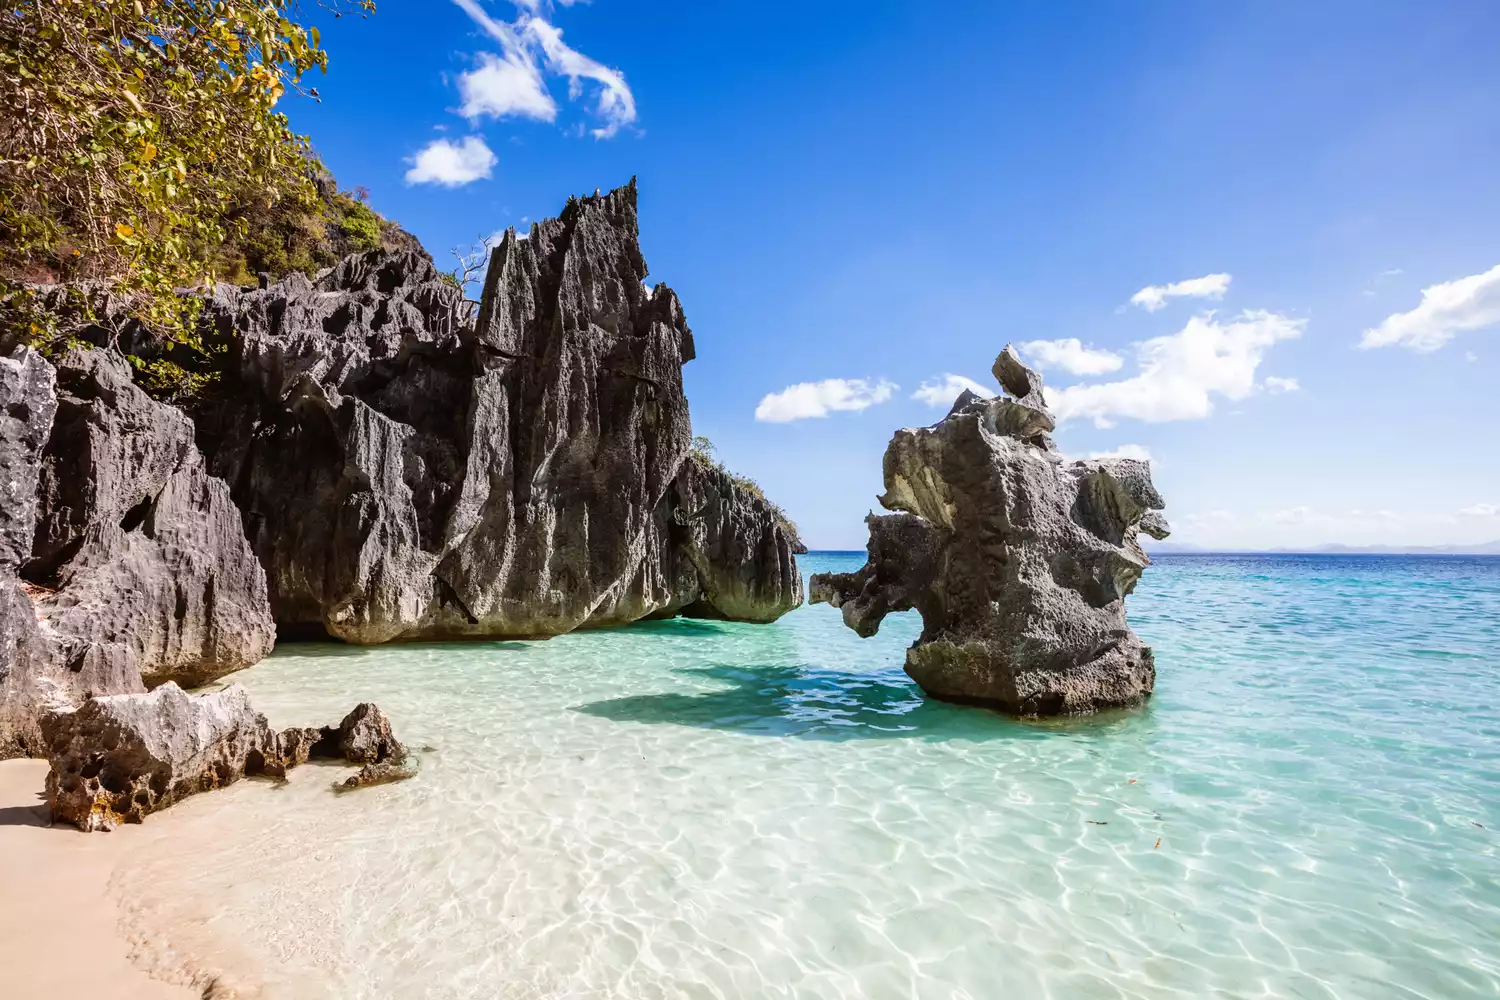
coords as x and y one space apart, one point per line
28 670
1018 560
374 462
408 473
124 564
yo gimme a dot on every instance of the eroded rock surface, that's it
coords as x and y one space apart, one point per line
29 673
117 758
408 470
735 551
141 552
1018 560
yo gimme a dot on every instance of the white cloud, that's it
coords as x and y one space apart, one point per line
1154 297
1180 374
452 165
818 399
616 106
1139 452
512 83
944 391
1275 384
1481 510
1445 311
1071 356
1470 357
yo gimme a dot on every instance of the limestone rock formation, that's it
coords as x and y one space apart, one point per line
142 552
407 470
1018 560
117 758
29 675
364 737
133 559
374 461
735 551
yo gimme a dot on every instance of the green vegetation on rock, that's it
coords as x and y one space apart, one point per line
143 149
704 453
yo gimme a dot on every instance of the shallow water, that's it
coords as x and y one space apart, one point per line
1309 807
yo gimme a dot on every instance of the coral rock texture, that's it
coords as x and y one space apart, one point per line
119 757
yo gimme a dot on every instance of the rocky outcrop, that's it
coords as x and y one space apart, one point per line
141 551
133 559
735 550
1018 560
369 459
118 758
407 470
29 674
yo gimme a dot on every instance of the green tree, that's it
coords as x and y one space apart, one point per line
131 130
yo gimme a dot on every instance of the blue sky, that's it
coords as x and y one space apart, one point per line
863 198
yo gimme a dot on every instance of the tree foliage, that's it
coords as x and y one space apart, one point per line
139 137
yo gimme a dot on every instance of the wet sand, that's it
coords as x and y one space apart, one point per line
60 932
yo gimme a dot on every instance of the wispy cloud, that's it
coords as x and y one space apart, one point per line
943 391
1275 384
512 84
1154 297
452 164
1181 374
818 399
505 86
616 104
1446 310
1071 356
1481 510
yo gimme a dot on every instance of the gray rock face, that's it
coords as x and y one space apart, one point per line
1018 561
142 551
29 677
735 552
118 758
134 561
408 471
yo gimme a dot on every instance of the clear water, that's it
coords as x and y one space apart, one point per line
1309 807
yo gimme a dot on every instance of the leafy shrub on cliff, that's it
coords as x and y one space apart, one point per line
141 138
307 236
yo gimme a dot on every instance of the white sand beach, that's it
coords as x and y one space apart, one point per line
59 926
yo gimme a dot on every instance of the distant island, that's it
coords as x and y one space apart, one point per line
1334 549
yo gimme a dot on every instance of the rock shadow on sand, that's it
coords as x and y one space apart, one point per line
808 702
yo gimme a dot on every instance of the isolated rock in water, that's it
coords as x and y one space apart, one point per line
379 774
117 758
141 552
365 737
1018 560
407 470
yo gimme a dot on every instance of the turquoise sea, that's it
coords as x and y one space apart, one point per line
1308 808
